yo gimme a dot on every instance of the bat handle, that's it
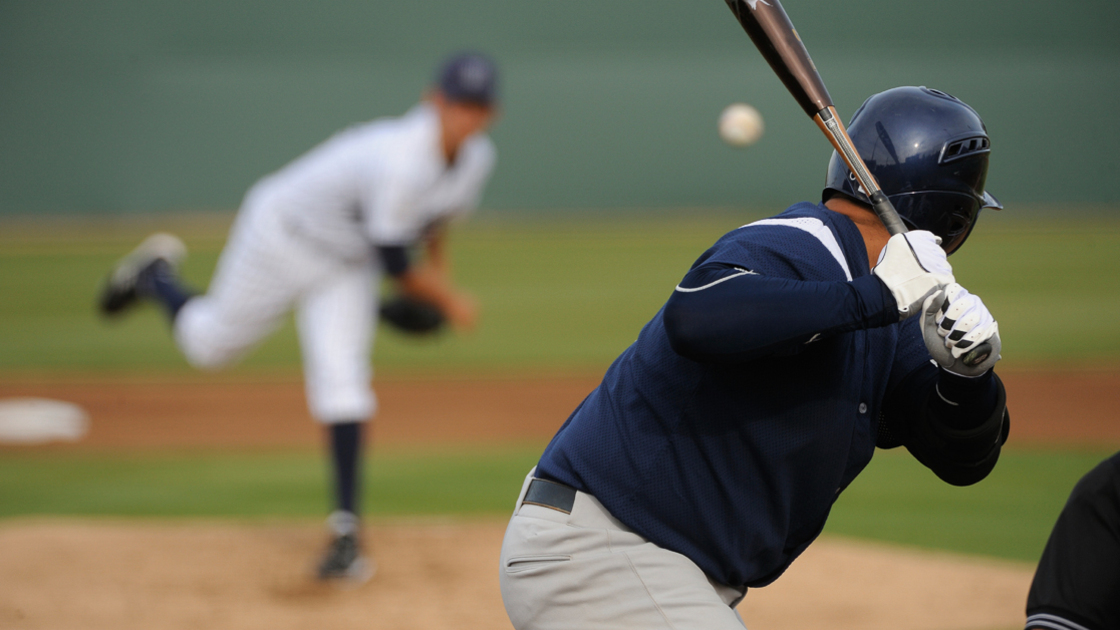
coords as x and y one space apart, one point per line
832 127
887 214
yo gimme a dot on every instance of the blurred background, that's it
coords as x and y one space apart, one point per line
121 117
124 116
151 105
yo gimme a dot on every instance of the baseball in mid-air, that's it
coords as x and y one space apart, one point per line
740 125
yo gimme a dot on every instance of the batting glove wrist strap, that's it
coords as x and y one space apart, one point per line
913 266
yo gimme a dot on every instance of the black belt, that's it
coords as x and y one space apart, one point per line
550 494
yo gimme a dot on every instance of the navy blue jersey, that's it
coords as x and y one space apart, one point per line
733 452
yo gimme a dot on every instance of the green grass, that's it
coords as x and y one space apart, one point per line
460 480
1008 515
567 292
1052 285
561 292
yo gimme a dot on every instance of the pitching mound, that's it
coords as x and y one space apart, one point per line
432 576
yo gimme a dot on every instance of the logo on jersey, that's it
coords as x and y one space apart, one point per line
753 4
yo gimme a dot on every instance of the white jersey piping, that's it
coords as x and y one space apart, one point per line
742 272
819 230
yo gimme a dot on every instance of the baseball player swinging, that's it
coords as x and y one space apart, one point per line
709 457
317 236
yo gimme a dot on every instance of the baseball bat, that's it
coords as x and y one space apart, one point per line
772 32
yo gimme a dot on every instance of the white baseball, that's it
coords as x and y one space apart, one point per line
740 125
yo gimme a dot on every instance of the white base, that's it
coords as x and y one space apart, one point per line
39 420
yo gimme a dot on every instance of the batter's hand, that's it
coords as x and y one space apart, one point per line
913 266
954 322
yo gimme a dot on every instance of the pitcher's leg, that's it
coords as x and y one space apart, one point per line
260 275
215 329
335 322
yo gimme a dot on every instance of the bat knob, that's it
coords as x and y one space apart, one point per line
977 355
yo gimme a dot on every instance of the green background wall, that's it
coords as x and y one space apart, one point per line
148 105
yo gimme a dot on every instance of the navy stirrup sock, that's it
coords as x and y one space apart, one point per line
159 282
346 448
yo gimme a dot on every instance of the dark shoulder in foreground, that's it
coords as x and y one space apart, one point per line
823 245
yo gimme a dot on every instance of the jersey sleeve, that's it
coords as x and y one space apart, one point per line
727 314
394 259
770 288
390 207
910 354
479 165
954 425
793 247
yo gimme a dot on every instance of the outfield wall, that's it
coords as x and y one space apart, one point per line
149 105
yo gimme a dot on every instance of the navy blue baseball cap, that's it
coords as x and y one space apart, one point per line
469 78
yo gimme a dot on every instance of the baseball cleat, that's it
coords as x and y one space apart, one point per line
120 291
344 561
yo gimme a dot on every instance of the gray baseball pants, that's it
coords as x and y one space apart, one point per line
587 570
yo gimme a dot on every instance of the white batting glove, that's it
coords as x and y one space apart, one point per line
954 323
913 266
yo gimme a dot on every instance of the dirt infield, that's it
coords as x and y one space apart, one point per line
432 576
254 412
67 573
242 411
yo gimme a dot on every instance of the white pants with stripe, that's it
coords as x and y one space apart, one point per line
265 271
586 570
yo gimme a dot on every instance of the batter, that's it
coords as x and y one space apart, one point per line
318 236
710 455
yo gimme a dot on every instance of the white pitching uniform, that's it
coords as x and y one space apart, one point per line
304 238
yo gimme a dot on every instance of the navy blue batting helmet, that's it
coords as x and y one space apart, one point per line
929 152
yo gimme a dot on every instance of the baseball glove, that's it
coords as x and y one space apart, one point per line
411 316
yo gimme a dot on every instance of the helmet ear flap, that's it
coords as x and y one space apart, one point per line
949 215
957 242
958 223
